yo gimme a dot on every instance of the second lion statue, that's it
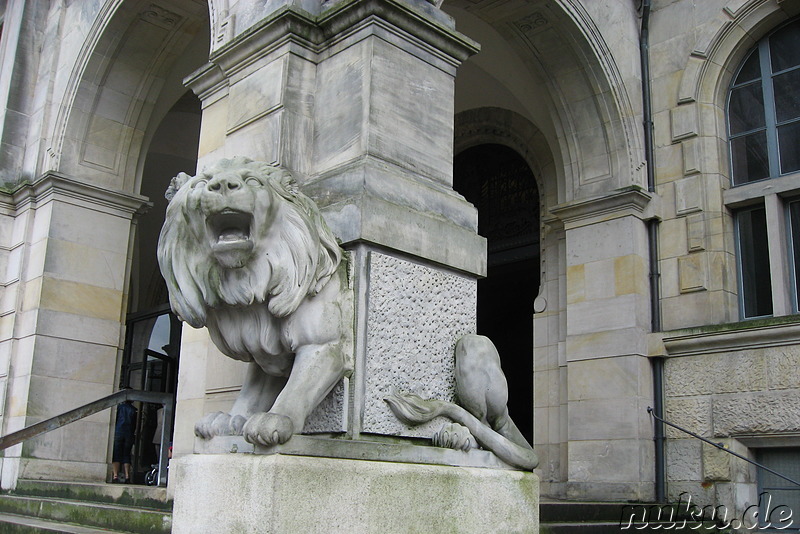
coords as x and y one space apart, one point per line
247 255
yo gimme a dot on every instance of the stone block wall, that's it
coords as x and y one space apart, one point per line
738 385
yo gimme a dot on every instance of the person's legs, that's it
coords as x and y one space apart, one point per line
116 458
127 446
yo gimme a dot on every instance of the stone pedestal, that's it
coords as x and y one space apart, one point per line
233 493
356 100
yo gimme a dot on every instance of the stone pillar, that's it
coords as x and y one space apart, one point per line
61 333
609 384
357 101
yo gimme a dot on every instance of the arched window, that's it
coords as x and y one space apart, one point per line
763 112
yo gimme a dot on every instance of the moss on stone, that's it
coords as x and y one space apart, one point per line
749 324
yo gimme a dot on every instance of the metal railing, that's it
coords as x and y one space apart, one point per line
165 399
720 446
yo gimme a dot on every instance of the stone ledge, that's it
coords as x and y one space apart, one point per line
346 449
747 334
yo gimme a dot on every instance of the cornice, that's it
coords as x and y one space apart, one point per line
54 185
430 28
695 341
619 203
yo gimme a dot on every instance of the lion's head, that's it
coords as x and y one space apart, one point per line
241 233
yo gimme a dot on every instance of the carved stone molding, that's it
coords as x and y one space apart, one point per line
746 336
617 204
54 185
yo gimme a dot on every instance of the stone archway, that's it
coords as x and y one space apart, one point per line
81 216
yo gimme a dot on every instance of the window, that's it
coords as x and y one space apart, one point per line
756 284
794 249
763 113
764 109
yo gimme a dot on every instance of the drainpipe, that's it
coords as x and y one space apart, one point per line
652 232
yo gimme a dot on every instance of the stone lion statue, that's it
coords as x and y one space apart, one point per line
481 416
247 255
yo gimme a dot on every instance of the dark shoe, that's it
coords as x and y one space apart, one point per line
115 480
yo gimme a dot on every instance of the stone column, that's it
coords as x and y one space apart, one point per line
61 333
609 384
357 100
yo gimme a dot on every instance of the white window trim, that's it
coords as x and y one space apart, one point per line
772 192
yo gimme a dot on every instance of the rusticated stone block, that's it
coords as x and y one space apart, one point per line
716 464
757 413
684 459
783 368
691 413
716 373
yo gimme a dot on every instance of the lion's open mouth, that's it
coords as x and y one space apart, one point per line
229 230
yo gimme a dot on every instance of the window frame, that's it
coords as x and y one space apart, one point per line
771 123
775 192
792 236
740 264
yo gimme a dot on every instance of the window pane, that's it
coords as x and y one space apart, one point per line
749 158
756 284
787 95
746 108
788 139
751 69
779 499
784 47
794 228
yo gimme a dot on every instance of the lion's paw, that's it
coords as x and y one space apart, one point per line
268 429
213 424
236 425
454 436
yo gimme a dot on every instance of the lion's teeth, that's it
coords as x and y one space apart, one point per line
231 236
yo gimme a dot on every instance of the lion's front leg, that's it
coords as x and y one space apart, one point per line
316 369
257 395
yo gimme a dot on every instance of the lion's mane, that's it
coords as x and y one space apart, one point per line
295 252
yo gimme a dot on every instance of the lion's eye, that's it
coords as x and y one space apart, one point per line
200 184
253 181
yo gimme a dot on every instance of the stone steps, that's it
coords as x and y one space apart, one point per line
17 524
84 508
565 517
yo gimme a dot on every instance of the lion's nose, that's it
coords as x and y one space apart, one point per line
223 184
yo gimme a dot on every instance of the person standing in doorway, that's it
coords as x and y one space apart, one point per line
124 431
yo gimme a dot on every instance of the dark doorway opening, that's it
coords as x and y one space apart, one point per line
501 185
153 333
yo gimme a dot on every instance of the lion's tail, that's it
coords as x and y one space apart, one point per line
414 410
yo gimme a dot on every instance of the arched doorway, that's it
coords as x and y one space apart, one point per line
153 332
501 185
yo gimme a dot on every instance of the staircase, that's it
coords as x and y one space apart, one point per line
568 517
38 506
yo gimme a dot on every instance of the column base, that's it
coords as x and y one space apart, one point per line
233 493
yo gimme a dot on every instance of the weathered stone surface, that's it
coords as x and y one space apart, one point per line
716 373
416 315
684 459
276 494
756 413
691 413
783 367
716 464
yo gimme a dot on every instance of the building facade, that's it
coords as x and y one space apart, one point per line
641 228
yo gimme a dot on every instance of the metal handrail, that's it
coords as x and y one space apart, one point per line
165 399
720 446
